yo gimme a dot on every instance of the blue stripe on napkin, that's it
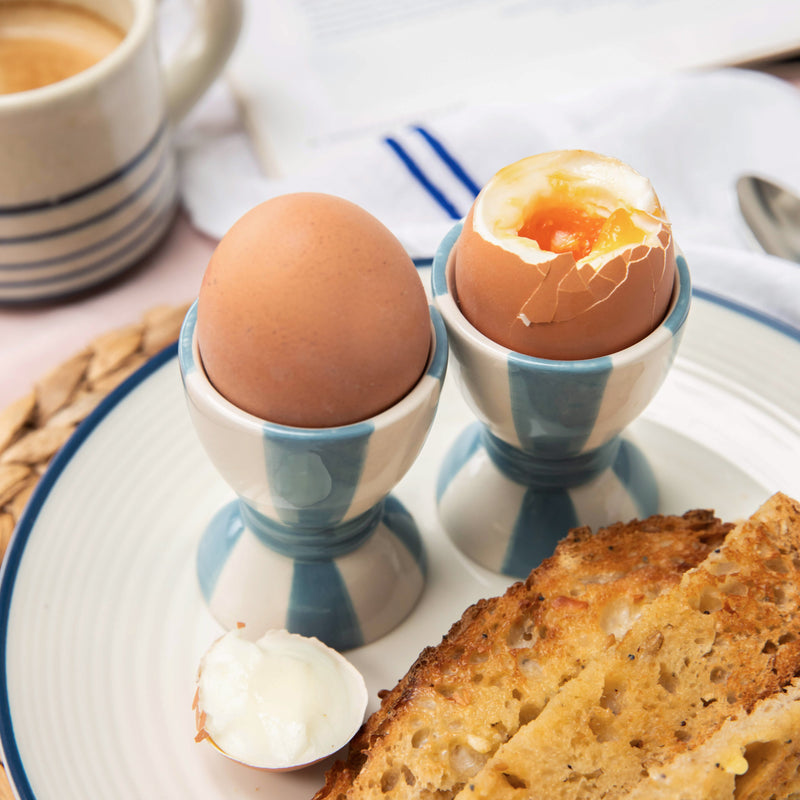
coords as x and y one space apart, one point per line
447 157
422 178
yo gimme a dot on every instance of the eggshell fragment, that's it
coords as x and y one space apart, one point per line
594 285
312 314
280 703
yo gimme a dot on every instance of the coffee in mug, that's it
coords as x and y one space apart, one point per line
43 43
88 173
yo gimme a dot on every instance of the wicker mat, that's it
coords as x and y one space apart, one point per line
33 429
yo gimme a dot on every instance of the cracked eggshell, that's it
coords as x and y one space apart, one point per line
280 703
555 305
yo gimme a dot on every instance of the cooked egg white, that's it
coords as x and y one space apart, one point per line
281 702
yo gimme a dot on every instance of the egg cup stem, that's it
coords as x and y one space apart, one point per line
315 582
507 509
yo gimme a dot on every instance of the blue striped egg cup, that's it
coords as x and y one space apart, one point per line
547 452
315 542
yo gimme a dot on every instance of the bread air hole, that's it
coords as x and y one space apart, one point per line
777 565
420 737
602 726
389 780
514 781
612 696
520 634
760 757
709 601
682 735
723 568
717 675
667 679
617 616
466 761
528 713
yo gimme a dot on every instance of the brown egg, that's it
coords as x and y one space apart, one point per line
312 314
565 255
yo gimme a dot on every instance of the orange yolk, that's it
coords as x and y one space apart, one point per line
568 229
563 229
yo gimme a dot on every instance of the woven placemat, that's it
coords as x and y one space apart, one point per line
34 428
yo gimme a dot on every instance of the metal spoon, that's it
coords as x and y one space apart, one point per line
773 214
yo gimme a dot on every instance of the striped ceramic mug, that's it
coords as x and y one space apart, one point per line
88 180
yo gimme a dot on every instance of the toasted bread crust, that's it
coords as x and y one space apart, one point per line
500 664
711 648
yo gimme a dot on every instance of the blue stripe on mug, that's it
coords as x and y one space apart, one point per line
158 202
80 278
157 169
95 186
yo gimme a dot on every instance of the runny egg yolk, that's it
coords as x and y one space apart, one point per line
563 228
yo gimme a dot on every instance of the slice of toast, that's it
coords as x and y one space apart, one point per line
498 667
751 757
712 647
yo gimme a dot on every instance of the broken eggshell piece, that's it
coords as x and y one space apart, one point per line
565 255
280 703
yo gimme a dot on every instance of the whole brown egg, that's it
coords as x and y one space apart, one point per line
312 314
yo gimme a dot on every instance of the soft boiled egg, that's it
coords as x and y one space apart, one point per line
312 314
279 703
565 255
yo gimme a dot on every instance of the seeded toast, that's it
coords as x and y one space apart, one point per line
751 757
502 662
712 647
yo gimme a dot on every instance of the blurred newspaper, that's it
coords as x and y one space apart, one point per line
311 73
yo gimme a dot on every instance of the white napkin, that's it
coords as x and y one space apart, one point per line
691 134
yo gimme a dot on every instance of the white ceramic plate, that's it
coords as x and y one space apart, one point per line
102 624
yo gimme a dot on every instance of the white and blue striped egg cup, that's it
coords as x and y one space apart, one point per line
315 543
546 454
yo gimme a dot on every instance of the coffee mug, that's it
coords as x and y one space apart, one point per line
88 181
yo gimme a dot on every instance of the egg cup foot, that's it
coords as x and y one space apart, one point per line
507 510
347 585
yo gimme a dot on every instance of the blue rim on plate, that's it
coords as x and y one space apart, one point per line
15 769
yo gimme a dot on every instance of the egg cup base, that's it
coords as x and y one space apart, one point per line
347 586
510 525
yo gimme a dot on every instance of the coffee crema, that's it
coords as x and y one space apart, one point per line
43 43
